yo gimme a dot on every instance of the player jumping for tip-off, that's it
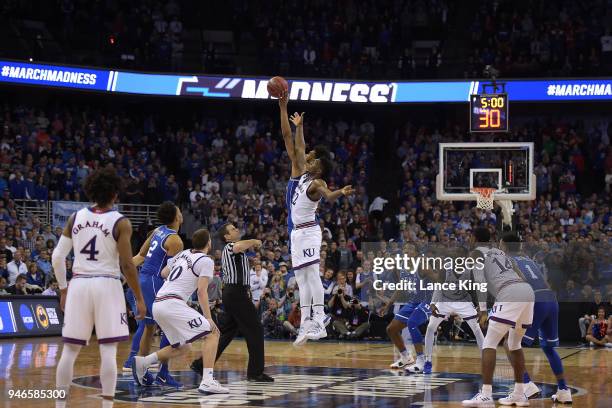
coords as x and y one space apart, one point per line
304 191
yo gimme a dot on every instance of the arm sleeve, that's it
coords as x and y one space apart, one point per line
437 295
58 260
204 267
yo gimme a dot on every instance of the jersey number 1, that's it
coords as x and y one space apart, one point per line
90 249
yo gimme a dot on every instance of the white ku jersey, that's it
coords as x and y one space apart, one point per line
185 269
94 241
303 209
498 271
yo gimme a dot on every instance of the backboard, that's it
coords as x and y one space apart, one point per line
507 167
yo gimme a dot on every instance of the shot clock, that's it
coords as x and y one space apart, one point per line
489 113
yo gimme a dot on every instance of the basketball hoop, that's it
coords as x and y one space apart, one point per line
484 197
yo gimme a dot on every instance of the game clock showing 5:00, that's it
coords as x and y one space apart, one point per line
489 113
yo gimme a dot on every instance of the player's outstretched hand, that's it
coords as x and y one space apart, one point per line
297 119
283 100
348 190
142 309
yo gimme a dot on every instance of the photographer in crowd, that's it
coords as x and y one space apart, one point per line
354 323
272 319
339 303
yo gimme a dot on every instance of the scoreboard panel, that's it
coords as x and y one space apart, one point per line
489 113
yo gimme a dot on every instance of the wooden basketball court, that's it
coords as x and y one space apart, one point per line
319 374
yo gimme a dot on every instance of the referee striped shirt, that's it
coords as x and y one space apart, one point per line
235 266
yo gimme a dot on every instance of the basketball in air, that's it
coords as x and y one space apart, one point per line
277 86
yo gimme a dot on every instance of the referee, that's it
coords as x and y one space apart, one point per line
240 313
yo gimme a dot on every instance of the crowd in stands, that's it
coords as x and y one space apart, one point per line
236 172
352 39
348 40
541 38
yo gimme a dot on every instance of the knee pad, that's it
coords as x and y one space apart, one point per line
495 333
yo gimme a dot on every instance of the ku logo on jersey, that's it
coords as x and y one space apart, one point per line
309 252
194 323
124 318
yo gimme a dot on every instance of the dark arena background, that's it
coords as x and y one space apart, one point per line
431 110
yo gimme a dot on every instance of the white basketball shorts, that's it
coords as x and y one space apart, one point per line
514 306
465 310
181 324
305 246
95 301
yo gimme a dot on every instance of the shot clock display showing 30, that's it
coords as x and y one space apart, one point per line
489 113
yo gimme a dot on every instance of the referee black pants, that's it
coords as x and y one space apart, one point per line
240 314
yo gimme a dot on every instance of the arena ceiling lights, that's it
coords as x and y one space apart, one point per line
338 91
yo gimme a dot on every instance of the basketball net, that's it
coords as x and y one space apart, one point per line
484 197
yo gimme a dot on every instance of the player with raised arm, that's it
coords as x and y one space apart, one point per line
445 303
304 191
545 318
511 314
100 238
188 271
162 244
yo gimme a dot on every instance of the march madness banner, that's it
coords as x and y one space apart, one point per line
25 316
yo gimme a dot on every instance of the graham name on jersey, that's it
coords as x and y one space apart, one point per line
93 224
404 284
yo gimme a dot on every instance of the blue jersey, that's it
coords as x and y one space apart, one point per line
534 276
156 257
291 186
418 295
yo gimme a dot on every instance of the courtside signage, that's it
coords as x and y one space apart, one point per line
338 91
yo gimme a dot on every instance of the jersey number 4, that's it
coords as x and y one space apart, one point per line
90 249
